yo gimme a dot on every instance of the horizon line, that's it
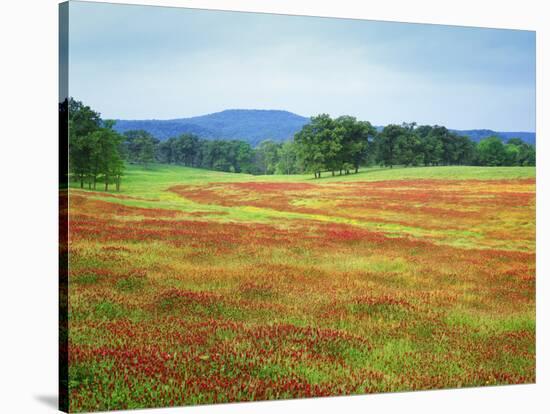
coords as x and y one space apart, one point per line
309 117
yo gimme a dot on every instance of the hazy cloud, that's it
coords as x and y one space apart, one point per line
138 62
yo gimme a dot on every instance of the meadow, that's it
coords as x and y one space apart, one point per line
192 286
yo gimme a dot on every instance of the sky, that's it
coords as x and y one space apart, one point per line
145 62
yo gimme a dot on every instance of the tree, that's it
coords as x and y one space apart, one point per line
491 152
430 145
95 149
331 141
267 156
187 148
340 144
83 119
146 146
139 147
511 156
526 154
97 152
465 149
288 159
311 143
106 159
356 142
82 122
387 144
79 157
244 155
408 148
164 151
445 143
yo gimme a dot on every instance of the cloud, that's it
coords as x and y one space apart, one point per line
153 62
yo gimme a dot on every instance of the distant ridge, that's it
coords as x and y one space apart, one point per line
251 125
256 125
478 134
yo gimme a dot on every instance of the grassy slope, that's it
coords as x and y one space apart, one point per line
151 181
147 188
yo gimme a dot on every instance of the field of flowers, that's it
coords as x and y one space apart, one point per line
194 287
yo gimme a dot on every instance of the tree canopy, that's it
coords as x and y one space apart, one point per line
337 145
340 144
94 148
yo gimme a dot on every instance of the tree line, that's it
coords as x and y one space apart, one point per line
339 146
345 144
412 145
336 145
94 148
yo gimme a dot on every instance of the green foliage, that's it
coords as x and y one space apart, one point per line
98 153
439 146
356 142
520 153
287 159
139 147
192 151
311 140
94 147
410 145
267 156
339 144
82 119
387 144
491 152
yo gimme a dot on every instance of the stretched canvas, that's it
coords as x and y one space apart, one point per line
258 206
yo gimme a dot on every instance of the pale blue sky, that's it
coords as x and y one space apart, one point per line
142 62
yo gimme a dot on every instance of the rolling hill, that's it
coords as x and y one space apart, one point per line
479 134
256 125
251 125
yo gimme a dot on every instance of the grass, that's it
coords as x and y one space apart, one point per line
192 286
149 188
153 180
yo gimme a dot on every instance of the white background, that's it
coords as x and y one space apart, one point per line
28 202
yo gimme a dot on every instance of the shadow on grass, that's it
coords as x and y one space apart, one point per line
327 174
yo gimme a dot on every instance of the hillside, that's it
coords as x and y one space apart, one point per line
255 125
479 134
252 125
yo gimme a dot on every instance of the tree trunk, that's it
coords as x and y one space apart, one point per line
118 183
356 170
106 183
95 179
81 181
333 173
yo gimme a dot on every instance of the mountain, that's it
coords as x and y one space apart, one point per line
256 125
479 134
251 125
